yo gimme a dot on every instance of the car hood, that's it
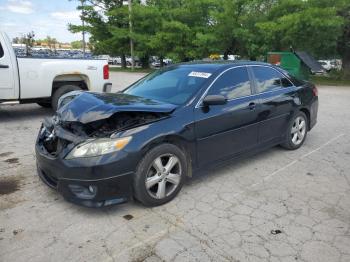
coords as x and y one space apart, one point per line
86 107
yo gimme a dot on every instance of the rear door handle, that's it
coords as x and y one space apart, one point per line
4 66
252 106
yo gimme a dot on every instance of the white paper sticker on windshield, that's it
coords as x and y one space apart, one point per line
200 74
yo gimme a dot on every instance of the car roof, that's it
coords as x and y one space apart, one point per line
221 64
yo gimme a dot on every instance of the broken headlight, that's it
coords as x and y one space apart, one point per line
98 147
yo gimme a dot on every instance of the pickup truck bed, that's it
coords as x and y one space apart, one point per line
44 80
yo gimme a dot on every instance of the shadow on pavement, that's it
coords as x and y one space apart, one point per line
23 112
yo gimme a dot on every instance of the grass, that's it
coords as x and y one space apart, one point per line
333 78
325 80
128 69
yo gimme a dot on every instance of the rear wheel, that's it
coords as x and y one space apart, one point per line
160 175
60 92
296 132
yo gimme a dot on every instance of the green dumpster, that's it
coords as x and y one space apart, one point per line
297 63
290 62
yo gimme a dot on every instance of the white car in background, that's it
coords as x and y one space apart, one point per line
329 65
45 80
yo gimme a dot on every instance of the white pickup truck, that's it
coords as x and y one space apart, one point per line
45 80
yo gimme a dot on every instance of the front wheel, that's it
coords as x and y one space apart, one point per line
160 175
296 132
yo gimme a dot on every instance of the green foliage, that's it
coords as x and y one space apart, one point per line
186 30
333 78
77 44
314 29
50 41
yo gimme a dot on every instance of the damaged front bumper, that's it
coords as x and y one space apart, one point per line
90 181
83 117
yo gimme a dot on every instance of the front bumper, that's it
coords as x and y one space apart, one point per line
91 182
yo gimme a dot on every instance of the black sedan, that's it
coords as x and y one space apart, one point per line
103 149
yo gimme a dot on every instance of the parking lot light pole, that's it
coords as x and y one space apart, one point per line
131 40
83 24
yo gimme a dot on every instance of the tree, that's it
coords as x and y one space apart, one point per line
182 29
305 25
343 43
28 40
51 42
77 44
186 30
105 21
16 40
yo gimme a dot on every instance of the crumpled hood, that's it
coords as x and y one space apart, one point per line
87 107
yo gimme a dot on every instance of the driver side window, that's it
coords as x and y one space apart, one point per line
234 83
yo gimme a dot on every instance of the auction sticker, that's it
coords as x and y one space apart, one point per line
199 74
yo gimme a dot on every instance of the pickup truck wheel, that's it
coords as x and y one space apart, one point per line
43 104
60 92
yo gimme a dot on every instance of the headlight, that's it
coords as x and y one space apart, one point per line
98 147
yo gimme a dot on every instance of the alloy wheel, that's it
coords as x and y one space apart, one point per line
298 130
163 176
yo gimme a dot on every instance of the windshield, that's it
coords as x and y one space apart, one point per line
173 85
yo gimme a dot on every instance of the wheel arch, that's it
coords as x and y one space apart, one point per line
178 141
76 79
307 113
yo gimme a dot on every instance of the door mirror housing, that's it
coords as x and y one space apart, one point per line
212 100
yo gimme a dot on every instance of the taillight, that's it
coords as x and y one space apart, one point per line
315 91
105 72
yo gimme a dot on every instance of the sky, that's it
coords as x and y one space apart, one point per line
44 17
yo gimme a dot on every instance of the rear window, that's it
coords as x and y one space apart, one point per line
267 79
293 79
1 51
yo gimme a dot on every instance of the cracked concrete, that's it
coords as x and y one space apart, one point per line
275 206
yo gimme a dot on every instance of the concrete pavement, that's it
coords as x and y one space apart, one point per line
276 206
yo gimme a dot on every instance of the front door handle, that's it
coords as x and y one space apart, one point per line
252 106
4 66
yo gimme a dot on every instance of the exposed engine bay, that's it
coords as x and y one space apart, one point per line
56 134
116 123
85 115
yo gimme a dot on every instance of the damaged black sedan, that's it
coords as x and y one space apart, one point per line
103 149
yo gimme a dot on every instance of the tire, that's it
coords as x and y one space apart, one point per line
45 104
296 134
60 92
148 169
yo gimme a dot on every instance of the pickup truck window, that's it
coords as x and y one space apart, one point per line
1 51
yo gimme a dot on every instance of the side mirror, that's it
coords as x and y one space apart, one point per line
214 100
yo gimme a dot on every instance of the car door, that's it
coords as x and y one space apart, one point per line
226 130
277 100
6 74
